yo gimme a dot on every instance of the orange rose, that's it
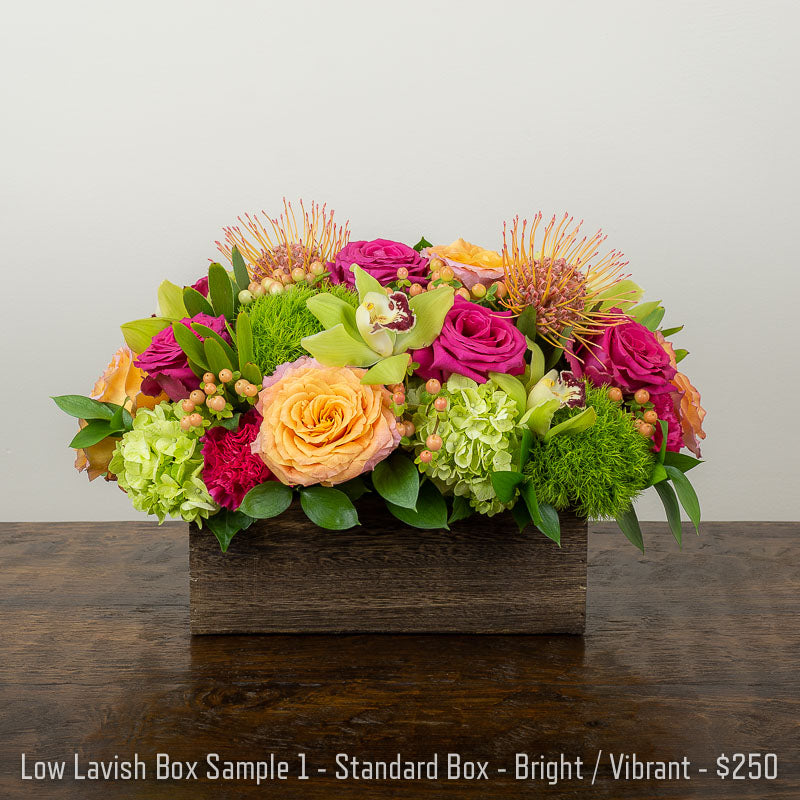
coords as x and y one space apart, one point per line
322 425
691 413
120 380
470 263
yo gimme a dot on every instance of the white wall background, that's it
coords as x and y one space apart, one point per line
132 133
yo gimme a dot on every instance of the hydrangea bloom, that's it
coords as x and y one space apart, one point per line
159 466
480 434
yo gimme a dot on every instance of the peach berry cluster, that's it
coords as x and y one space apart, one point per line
442 275
216 398
644 413
433 443
280 281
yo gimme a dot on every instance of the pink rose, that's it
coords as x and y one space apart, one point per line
474 342
381 258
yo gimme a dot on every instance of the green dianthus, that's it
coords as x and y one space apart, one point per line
597 472
280 321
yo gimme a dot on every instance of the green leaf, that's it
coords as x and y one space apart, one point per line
365 283
629 524
209 333
396 479
537 364
431 513
658 474
653 319
670 501
244 338
216 358
572 425
337 348
354 488
504 483
680 460
77 405
422 244
621 295
220 291
230 423
139 333
430 309
329 508
512 387
170 301
665 332
225 524
388 370
525 447
550 525
95 431
331 310
662 452
680 354
526 322
195 303
461 510
239 269
251 372
686 494
521 516
267 500
638 313
191 345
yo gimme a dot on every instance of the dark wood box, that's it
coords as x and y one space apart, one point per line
482 576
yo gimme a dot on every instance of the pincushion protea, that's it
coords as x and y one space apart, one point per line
563 279
284 242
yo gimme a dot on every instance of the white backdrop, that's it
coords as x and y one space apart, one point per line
132 133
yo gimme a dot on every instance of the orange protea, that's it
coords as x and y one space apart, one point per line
283 243
562 278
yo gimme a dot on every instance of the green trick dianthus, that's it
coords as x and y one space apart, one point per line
280 321
597 472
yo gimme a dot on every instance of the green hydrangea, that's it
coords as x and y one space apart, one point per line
480 434
159 465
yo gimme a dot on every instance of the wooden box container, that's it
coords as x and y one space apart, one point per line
482 576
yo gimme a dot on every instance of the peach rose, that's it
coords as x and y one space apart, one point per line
120 380
322 425
691 413
470 263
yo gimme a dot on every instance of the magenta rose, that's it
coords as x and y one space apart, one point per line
166 364
627 355
230 469
474 342
666 405
201 285
381 258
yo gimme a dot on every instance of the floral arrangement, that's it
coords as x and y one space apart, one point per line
448 380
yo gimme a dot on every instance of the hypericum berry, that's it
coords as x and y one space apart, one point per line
435 275
397 387
501 291
185 423
641 396
267 284
225 376
411 428
446 273
251 390
440 404
277 288
425 456
415 289
210 388
316 268
433 386
238 387
209 377
462 292
399 398
479 291
434 442
646 429
298 274
252 286
402 273
615 394
435 263
187 405
216 403
195 420
258 291
245 297
650 416
197 396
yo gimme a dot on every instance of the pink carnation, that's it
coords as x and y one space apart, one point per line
230 469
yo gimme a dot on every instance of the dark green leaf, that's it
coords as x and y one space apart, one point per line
680 354
244 338
250 372
231 423
671 331
525 446
526 322
396 479
431 510
225 524
195 303
680 460
94 432
239 268
210 333
550 525
354 488
529 496
116 423
190 344
686 494
658 474
461 510
267 500
629 524
664 433
521 516
421 244
653 319
216 358
329 508
670 501
220 291
77 405
504 483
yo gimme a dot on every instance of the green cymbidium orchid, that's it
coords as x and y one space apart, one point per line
380 331
553 391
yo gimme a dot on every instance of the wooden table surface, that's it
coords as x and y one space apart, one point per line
693 653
